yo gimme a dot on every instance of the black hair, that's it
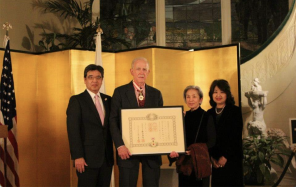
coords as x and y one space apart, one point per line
93 67
225 87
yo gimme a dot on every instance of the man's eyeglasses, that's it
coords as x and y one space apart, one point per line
94 78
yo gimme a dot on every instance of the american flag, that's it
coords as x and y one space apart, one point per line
8 117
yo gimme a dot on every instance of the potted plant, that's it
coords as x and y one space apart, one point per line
259 153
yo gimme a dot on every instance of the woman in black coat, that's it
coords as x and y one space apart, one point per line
199 129
226 154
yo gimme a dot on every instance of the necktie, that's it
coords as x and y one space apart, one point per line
99 108
141 98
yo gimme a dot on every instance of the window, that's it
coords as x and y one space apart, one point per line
253 22
127 24
193 24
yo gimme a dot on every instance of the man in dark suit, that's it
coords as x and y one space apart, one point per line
132 95
88 131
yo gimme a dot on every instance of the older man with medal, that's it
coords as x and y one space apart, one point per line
135 94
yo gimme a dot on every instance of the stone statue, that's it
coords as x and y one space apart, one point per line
257 100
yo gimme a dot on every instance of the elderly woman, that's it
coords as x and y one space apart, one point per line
226 154
199 128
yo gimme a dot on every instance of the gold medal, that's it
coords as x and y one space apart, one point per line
141 97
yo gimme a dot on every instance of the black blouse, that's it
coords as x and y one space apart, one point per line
206 132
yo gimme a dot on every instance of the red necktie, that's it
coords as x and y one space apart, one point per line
99 108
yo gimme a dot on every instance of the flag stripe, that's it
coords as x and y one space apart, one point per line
11 166
13 142
8 184
1 162
1 179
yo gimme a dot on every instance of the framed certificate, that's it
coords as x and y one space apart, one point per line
153 130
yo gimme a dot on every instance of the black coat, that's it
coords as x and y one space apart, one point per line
88 139
228 144
206 134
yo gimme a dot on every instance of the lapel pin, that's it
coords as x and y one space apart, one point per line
105 99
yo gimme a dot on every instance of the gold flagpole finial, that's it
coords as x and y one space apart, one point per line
99 30
7 26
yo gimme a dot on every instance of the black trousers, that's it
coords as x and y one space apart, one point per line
191 181
128 177
100 177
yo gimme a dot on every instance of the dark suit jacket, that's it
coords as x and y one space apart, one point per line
87 137
124 97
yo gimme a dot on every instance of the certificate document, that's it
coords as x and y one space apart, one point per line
153 130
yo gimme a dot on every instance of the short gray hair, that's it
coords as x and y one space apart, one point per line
197 88
139 58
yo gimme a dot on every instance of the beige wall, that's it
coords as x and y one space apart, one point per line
23 18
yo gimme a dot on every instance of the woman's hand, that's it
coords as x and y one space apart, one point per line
222 161
214 162
174 154
187 152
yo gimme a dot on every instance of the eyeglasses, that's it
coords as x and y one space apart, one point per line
94 78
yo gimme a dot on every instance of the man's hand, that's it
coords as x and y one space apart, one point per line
123 152
79 164
174 154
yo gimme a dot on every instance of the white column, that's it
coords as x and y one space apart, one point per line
160 22
226 21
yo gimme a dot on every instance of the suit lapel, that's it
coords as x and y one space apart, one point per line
130 93
148 99
92 106
106 107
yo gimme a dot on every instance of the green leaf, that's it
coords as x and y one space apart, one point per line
262 168
278 160
259 176
267 175
253 158
261 156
